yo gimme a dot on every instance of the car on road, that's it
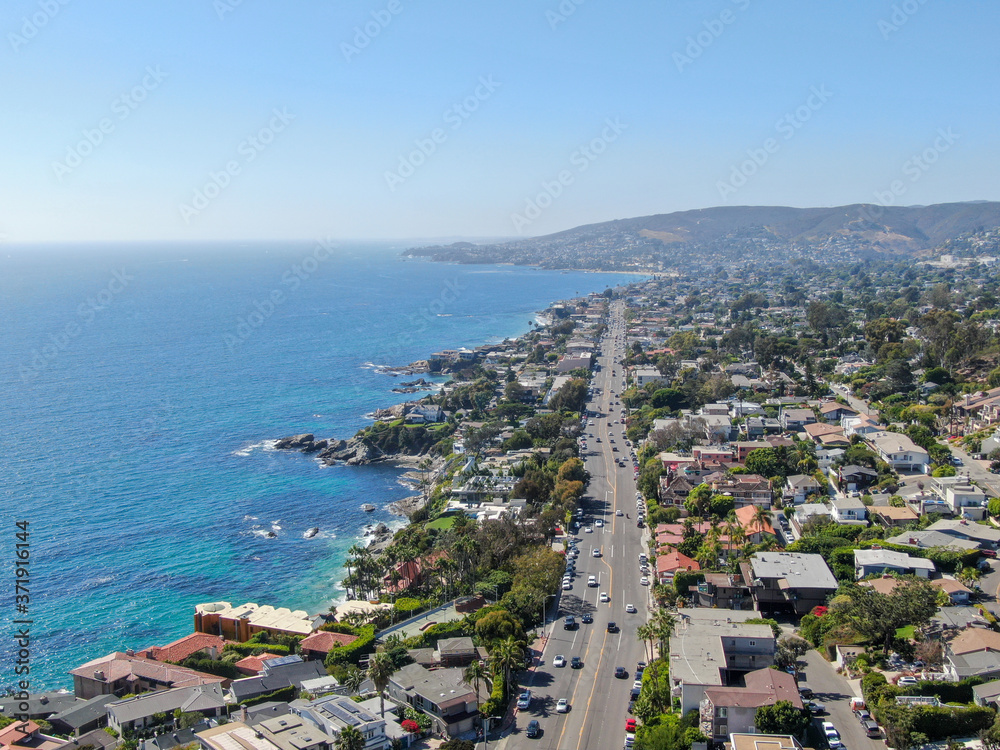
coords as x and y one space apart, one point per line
576 663
637 684
524 699
630 724
592 582
644 581
815 708
613 628
559 661
605 597
871 728
569 623
533 730
598 523
832 735
567 585
629 741
562 706
988 552
630 608
621 673
587 619
619 512
596 552
588 530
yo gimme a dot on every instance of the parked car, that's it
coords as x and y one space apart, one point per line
871 728
524 699
906 681
630 724
832 735
815 708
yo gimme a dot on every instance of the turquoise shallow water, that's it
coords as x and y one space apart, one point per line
139 386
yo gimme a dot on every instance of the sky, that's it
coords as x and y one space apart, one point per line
395 119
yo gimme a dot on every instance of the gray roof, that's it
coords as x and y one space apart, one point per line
84 712
802 480
801 570
195 698
976 663
890 558
847 503
988 691
967 530
40 705
925 539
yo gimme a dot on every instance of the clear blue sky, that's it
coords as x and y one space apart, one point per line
696 85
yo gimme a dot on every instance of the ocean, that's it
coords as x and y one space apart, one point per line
141 387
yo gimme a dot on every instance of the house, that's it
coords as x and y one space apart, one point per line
708 651
251 666
869 562
579 361
793 420
986 694
958 593
122 673
799 486
849 510
831 411
732 709
986 537
320 643
827 435
788 581
134 714
852 477
891 517
707 453
95 739
674 490
804 513
425 414
442 694
644 375
668 564
333 713
38 705
722 591
754 528
285 732
973 652
718 427
242 622
27 735
961 497
763 742
83 717
456 652
927 539
278 674
742 448
899 451
184 648
745 489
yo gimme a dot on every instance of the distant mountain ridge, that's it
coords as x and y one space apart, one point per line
859 230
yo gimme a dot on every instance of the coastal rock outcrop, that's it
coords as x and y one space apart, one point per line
354 452
306 443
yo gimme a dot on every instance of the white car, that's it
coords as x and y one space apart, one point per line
644 581
592 581
524 699
567 586
605 597
562 706
832 735
596 552
559 661
630 608
598 523
588 530
906 681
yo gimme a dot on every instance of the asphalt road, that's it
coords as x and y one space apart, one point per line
598 701
834 692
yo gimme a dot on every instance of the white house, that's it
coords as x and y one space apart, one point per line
899 451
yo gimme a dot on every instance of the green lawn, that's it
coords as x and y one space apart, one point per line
906 633
443 522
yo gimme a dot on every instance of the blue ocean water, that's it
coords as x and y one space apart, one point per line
139 387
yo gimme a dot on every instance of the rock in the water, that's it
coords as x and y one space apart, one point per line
295 442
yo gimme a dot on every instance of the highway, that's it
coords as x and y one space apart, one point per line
598 700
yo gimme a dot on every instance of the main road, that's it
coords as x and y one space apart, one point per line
598 700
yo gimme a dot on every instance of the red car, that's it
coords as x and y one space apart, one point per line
629 725
988 553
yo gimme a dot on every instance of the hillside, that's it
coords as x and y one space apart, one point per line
736 233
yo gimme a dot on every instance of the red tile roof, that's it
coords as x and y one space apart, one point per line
323 640
185 647
253 665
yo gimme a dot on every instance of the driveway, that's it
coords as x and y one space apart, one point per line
835 692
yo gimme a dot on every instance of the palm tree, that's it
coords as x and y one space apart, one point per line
761 519
476 673
507 658
353 679
349 738
380 669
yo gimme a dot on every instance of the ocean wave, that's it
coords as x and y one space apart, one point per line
265 445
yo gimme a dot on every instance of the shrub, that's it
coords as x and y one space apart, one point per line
350 653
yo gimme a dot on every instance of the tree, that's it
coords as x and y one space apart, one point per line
380 669
353 679
507 659
877 616
765 462
781 718
349 738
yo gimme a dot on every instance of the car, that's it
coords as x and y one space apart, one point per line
615 449
588 530
524 699
862 715
569 623
643 581
605 597
991 553
597 440
956 461
567 586
641 524
576 663
613 628
640 666
638 674
871 728
832 735
619 512
630 725
805 692
598 523
815 708
630 608
533 730
559 661
587 619
562 706
592 581
621 673
637 684
596 552
629 740
906 681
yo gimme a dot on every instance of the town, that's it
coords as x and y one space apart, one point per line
743 503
